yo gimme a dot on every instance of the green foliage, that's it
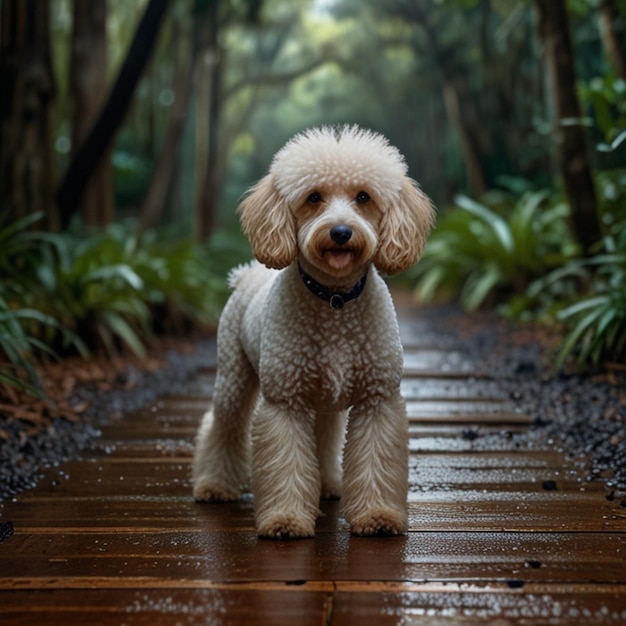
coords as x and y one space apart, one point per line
19 341
606 95
91 285
497 246
597 324
16 347
522 254
118 286
588 295
83 292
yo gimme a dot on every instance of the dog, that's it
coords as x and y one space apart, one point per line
309 365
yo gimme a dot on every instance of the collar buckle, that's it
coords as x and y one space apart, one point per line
336 301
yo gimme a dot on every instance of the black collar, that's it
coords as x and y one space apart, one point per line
336 299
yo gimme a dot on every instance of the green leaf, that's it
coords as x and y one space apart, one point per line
490 220
124 272
120 327
576 335
584 305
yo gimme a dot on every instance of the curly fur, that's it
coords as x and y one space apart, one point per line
307 397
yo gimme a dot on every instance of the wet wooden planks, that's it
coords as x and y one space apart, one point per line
498 533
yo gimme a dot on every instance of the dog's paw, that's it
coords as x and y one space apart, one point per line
205 490
285 526
380 521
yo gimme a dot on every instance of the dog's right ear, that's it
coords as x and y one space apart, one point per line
269 225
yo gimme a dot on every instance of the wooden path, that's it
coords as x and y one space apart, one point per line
498 535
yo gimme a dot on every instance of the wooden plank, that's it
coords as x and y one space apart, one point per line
468 605
168 605
452 509
464 412
222 556
434 389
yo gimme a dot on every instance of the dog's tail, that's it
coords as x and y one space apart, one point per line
252 272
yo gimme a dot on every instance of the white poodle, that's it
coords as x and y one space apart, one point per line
309 357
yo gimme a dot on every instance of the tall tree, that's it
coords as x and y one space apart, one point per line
209 108
100 137
26 110
154 202
569 135
88 84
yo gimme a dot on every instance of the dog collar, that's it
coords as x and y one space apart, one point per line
336 299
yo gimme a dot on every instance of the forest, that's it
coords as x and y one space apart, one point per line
129 131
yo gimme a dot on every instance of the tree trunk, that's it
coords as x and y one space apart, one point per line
156 196
88 83
613 32
474 169
209 108
100 137
26 111
569 135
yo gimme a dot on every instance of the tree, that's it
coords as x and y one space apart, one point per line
209 101
569 136
27 173
88 83
100 137
154 201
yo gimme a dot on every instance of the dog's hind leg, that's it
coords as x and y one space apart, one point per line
221 464
376 467
330 435
285 472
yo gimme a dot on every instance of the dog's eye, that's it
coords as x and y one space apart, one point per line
314 198
362 197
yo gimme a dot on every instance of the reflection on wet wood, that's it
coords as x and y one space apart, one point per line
498 534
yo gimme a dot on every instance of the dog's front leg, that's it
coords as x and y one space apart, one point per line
376 467
285 472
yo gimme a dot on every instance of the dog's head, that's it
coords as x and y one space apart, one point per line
342 199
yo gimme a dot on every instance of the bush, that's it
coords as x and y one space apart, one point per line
67 293
20 339
120 287
588 295
495 247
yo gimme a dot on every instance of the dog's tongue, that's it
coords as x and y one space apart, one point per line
338 259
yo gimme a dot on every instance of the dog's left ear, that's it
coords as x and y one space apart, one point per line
403 230
269 225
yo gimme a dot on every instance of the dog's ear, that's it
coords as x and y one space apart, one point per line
269 225
403 230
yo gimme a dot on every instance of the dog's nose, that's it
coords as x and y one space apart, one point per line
340 234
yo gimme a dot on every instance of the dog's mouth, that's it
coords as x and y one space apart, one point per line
338 258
